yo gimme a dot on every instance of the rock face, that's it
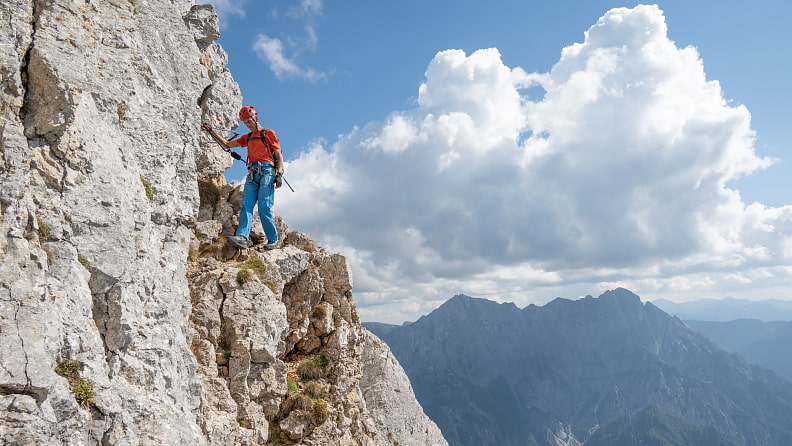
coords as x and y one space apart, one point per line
123 318
283 358
605 371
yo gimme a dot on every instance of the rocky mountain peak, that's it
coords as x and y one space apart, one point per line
607 370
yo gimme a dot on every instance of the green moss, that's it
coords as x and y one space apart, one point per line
84 392
192 256
292 385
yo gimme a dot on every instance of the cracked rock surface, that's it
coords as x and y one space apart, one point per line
113 210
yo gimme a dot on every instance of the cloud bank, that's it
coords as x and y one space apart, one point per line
609 170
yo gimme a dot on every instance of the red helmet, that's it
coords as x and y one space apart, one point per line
246 112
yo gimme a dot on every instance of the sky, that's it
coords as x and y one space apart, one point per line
522 151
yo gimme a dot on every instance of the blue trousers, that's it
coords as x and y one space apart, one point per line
259 189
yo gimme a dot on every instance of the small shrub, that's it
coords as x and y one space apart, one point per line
298 401
321 360
44 230
121 112
313 389
147 186
84 392
320 312
309 370
243 276
292 385
320 410
192 255
68 368
81 388
313 368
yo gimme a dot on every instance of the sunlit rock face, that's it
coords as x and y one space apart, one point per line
122 320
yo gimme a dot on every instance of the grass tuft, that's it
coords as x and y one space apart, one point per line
313 389
255 265
147 186
243 276
44 230
313 368
320 410
83 261
81 388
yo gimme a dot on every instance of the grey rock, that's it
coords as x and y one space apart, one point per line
390 399
113 213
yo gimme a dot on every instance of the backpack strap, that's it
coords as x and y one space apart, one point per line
263 139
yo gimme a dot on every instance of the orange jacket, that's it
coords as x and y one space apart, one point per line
257 150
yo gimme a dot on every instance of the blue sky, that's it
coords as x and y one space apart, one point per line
521 151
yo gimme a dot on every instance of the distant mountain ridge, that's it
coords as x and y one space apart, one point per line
728 309
767 344
608 370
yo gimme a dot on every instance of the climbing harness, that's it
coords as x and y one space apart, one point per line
259 168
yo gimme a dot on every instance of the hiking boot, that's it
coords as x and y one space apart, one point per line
239 241
271 245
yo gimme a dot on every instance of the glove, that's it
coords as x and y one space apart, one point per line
278 180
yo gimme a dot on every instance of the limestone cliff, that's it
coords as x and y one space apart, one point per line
124 319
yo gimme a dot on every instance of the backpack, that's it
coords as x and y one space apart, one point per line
266 144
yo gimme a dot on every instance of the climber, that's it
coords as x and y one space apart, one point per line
265 174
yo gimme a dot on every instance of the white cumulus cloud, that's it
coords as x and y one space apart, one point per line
616 175
282 55
272 51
